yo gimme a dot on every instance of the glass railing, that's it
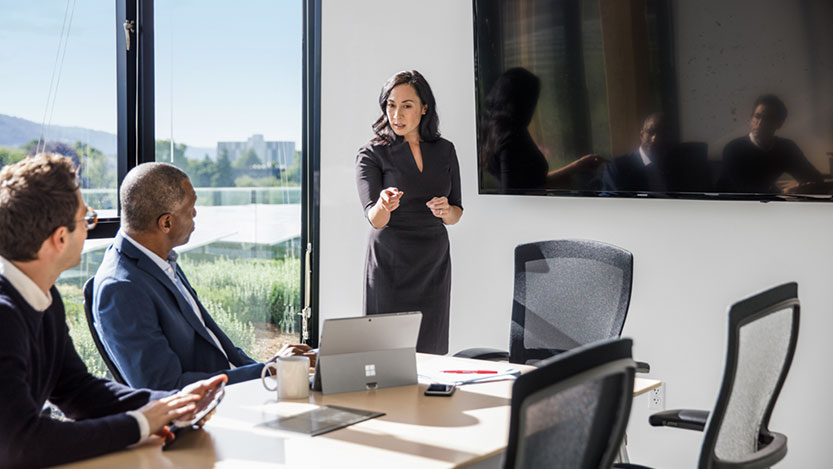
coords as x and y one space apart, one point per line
107 199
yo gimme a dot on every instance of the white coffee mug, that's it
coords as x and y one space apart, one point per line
292 374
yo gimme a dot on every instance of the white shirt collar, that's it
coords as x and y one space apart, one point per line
167 266
27 287
759 144
645 160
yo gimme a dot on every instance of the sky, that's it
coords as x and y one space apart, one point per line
234 67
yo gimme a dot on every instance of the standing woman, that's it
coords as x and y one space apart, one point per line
409 185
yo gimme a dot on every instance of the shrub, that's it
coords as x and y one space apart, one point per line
84 345
242 334
73 298
257 290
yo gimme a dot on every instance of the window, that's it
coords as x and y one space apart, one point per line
215 88
228 112
58 94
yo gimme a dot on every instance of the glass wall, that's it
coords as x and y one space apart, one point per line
58 94
228 112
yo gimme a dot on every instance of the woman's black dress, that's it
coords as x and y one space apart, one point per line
408 266
521 165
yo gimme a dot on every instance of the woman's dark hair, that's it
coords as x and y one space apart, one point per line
429 125
510 106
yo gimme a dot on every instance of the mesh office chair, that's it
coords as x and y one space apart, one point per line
88 312
572 411
567 293
763 332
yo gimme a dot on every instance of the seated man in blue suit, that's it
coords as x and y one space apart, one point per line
657 165
147 314
640 170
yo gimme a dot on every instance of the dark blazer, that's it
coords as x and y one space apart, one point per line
684 169
627 173
151 331
520 164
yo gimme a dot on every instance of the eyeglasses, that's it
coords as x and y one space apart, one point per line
90 218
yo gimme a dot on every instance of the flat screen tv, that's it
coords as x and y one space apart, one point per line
705 99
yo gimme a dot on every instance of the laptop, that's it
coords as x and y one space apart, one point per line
368 352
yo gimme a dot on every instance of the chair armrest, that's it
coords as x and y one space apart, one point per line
643 367
627 465
483 353
680 418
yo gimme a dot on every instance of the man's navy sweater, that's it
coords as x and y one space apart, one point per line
38 362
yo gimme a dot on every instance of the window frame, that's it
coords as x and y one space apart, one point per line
134 99
311 169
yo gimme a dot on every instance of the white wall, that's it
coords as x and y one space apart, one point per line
692 258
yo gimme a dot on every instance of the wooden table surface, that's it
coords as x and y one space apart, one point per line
417 430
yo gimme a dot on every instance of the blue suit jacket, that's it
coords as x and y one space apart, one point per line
627 173
150 330
684 169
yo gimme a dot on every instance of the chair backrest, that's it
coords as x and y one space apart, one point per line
763 332
88 312
567 293
572 411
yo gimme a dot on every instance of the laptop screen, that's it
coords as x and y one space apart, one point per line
370 333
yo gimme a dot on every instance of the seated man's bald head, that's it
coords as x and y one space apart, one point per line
148 191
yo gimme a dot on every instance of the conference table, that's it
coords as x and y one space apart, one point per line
416 430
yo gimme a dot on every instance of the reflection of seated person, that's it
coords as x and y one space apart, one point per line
753 163
649 168
147 314
507 149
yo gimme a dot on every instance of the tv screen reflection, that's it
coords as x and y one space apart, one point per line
663 98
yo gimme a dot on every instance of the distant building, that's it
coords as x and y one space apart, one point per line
279 154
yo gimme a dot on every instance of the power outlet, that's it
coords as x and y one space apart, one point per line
657 398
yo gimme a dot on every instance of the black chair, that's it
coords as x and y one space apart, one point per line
763 332
88 312
567 293
690 167
572 411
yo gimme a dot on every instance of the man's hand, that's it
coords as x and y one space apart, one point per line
204 391
812 187
160 413
290 350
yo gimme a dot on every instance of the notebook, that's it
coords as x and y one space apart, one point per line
322 420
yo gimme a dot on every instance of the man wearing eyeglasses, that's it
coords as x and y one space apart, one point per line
43 225
756 162
148 316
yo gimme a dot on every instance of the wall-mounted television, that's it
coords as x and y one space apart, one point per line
709 99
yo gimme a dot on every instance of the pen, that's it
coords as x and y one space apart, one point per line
479 372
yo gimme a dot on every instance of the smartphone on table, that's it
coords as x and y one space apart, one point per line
439 389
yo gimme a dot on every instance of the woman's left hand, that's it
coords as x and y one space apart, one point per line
439 206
